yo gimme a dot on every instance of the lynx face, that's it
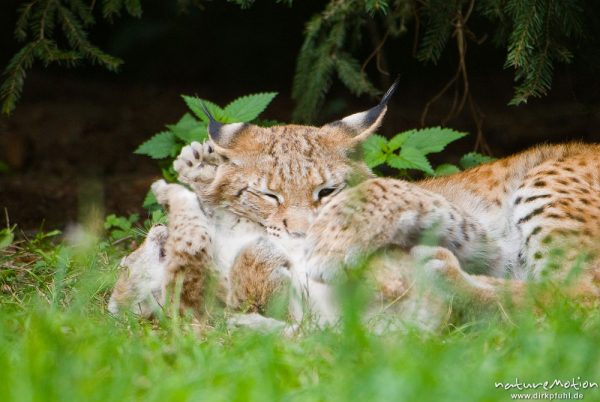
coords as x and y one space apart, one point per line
280 177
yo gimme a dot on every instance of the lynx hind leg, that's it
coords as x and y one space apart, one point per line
188 248
259 277
139 287
400 302
197 164
471 292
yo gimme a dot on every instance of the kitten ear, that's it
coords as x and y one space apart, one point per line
222 135
362 124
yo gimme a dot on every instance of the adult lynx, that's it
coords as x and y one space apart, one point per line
294 203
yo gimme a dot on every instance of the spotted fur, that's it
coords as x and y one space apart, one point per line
297 202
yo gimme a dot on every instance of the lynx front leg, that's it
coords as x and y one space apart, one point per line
259 282
260 275
383 212
188 248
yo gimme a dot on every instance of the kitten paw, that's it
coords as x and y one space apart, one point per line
197 163
169 193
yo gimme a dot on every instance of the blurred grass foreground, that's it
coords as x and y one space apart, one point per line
58 343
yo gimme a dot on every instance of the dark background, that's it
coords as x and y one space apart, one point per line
79 126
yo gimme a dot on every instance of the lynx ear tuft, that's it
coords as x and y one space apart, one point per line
362 124
221 135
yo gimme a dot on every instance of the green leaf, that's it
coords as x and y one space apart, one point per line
249 107
398 162
433 139
169 174
189 129
375 150
150 200
114 221
446 169
120 226
417 158
6 237
133 218
158 147
158 217
195 105
473 159
398 140
410 158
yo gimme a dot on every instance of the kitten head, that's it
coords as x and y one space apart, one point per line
281 176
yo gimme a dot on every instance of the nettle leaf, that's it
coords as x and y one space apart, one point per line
375 150
417 158
189 129
169 174
473 159
398 162
433 139
158 216
150 201
195 105
162 145
398 140
249 107
446 169
410 158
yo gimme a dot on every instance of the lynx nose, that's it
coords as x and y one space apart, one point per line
296 226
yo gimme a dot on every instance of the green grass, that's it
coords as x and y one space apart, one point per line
57 343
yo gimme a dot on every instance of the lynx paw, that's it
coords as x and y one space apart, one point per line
197 163
442 268
160 190
167 194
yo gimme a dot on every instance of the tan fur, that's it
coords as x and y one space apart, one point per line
259 273
288 161
545 203
498 225
138 288
188 256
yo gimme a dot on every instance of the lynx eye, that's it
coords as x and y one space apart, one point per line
326 192
272 196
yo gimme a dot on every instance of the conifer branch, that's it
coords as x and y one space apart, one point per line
36 23
15 72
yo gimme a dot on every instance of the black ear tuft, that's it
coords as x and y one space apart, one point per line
221 134
390 92
362 124
214 127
